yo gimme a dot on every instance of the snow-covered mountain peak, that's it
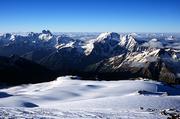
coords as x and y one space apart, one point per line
104 43
46 32
108 36
12 37
46 35
128 41
7 37
64 41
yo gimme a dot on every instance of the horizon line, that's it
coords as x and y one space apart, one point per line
88 31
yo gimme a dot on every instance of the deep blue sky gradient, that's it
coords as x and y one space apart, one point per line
90 15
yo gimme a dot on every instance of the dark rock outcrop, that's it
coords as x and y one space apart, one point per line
15 70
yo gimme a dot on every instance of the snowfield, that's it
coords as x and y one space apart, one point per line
67 98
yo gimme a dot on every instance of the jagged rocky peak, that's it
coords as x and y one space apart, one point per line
46 35
108 36
128 41
7 35
46 32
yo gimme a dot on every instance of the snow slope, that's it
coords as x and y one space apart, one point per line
67 98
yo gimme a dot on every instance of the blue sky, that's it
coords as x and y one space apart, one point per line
90 15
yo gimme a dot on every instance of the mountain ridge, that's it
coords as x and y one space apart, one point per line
122 55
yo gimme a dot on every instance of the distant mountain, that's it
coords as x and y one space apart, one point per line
23 44
120 56
75 55
159 64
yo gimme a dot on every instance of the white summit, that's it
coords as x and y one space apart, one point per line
108 36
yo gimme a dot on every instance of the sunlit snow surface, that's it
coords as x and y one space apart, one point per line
67 98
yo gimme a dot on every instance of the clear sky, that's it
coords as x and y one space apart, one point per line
90 15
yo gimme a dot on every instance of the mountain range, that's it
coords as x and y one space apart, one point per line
109 56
